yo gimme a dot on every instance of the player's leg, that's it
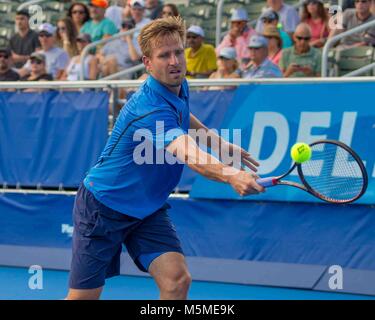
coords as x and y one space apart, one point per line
97 243
155 248
171 275
84 294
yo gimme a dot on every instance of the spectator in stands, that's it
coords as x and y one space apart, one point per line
38 68
66 36
154 9
135 10
57 58
260 66
315 15
200 57
227 66
6 72
121 53
302 60
289 17
80 14
353 18
271 18
114 13
25 41
99 27
238 36
271 33
72 72
170 10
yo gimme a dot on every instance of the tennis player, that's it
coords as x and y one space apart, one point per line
124 202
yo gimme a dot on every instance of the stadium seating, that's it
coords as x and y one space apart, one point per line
355 58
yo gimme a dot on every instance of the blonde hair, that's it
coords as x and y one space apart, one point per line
151 34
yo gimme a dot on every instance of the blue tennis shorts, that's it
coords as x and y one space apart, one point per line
100 232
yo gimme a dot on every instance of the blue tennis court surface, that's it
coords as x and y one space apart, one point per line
15 286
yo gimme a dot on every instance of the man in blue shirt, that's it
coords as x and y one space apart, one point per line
123 197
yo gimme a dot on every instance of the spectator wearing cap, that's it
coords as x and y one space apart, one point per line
25 41
90 65
121 53
200 57
352 18
154 9
315 15
301 60
6 72
289 17
66 36
99 27
238 36
227 66
80 14
271 33
38 68
57 58
114 13
136 10
260 66
271 18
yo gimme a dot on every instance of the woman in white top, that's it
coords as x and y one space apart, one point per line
72 72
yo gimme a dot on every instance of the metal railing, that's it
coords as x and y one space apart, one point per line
219 19
331 41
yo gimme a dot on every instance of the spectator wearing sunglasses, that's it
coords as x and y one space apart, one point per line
121 53
200 57
80 14
6 72
271 18
66 36
38 68
352 18
260 66
315 15
238 36
289 17
57 58
227 67
301 60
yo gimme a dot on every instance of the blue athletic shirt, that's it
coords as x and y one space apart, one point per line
119 179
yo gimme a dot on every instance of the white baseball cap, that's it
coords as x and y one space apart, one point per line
139 3
47 28
196 30
228 53
239 15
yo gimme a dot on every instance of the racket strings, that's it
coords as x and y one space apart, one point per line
333 172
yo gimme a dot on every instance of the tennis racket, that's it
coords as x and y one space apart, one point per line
334 173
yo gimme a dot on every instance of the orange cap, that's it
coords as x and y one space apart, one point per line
99 3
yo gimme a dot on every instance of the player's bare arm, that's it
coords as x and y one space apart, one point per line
217 144
187 151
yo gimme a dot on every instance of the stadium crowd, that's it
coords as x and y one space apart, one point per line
283 43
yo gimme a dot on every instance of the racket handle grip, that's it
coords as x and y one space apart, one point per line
266 182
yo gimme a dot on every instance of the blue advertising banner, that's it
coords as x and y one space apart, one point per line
51 138
272 117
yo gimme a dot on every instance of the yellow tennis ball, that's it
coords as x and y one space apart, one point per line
300 152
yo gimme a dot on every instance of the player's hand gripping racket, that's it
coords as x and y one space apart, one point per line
334 173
